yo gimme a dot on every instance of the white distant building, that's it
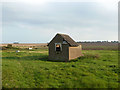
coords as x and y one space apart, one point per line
30 48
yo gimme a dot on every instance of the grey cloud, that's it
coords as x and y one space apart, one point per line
84 18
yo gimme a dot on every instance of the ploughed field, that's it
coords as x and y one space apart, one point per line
32 69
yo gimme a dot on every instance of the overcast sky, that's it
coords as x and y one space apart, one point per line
29 22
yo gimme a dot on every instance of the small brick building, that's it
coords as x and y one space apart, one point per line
63 48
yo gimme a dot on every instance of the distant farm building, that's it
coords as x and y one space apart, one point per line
16 42
63 48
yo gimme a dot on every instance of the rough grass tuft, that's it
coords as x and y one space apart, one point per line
93 56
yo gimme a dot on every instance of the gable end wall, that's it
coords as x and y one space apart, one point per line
75 52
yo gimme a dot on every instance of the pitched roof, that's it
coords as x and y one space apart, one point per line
68 39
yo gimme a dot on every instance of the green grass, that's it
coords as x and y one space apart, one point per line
31 69
93 47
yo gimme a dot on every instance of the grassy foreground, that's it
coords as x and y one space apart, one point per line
31 69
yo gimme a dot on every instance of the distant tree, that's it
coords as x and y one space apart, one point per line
9 46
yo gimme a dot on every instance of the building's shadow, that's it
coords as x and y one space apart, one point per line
34 57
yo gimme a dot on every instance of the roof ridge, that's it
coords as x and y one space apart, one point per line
61 34
69 40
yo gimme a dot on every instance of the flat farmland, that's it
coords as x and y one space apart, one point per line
24 45
85 45
27 45
99 46
32 69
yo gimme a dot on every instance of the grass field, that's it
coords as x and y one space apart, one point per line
31 69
